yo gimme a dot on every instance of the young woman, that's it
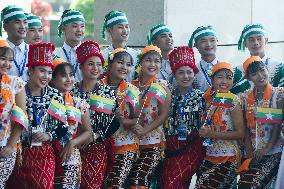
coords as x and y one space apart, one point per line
154 109
184 150
262 141
94 155
125 146
68 160
36 171
11 91
223 127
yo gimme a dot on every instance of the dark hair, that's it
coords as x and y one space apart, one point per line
61 69
150 53
255 67
120 55
6 50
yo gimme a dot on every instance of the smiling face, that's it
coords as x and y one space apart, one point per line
120 32
92 68
223 80
120 66
184 76
16 29
34 35
40 76
207 46
164 41
6 60
74 32
258 74
151 64
63 77
255 44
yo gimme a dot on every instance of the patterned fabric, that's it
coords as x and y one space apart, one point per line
67 175
6 168
36 170
101 123
215 176
222 147
143 168
50 124
125 148
94 164
194 105
178 169
280 175
16 86
261 133
122 166
260 174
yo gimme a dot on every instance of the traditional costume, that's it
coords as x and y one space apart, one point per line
275 68
261 117
20 59
111 19
125 146
184 150
66 52
219 165
202 79
10 86
151 145
36 171
94 156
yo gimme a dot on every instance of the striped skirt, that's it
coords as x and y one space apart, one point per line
216 175
143 168
260 174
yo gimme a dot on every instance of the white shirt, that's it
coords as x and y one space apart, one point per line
166 72
202 79
70 56
132 52
20 60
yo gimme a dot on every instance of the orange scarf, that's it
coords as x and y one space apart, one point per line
250 117
69 102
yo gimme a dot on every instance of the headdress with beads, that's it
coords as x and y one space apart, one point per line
88 49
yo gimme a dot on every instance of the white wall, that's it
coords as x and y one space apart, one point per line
228 17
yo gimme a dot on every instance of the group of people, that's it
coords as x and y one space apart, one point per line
77 116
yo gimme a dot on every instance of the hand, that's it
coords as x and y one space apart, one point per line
205 132
119 114
67 151
139 130
40 137
258 154
6 151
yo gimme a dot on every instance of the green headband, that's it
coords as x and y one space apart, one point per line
111 19
11 12
33 20
200 32
156 31
249 30
68 17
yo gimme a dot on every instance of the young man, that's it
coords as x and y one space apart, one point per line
162 37
117 26
254 38
15 24
35 30
72 24
204 38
